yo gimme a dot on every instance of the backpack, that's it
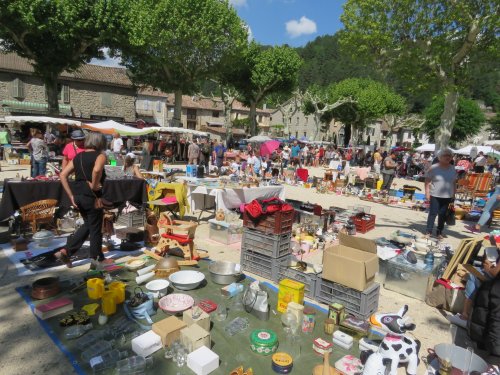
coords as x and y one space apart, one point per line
205 149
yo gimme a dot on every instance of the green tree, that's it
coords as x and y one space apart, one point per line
368 100
426 43
174 45
265 71
494 127
57 36
468 121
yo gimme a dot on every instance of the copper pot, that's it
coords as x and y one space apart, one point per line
45 288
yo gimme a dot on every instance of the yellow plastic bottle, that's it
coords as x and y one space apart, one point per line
118 288
379 184
95 288
108 305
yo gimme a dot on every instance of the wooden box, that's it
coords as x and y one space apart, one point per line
194 337
203 320
168 329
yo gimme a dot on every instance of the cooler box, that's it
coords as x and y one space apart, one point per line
191 170
226 233
408 279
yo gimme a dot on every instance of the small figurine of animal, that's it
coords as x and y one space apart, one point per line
396 348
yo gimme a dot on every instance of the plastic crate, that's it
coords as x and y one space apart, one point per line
308 279
132 219
360 304
262 265
276 223
362 225
271 245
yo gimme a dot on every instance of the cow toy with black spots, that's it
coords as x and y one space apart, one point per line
396 347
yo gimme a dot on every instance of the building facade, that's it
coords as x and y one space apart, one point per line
93 93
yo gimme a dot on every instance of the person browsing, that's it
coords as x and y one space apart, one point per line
74 147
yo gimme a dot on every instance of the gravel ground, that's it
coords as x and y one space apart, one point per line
26 349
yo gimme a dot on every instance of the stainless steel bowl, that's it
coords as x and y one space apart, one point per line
224 272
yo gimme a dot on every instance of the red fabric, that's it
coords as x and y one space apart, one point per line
181 238
258 208
303 174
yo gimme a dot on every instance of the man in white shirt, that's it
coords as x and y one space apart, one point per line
305 154
480 162
285 156
117 145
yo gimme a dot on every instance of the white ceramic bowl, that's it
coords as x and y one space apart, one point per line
158 287
176 303
186 280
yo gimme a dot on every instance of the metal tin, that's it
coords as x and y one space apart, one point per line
263 341
282 363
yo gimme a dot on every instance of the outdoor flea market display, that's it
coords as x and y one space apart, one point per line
303 298
165 310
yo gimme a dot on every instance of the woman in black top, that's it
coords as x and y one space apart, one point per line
85 194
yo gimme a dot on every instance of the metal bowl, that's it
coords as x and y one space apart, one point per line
43 238
186 280
224 272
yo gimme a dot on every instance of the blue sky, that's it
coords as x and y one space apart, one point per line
292 22
277 22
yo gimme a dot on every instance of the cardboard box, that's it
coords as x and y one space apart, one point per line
353 263
203 361
194 337
169 329
203 320
146 344
289 291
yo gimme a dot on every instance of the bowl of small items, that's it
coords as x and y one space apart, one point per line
186 280
43 238
176 303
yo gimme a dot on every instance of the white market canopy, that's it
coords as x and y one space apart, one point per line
111 127
467 150
495 142
41 119
259 138
168 129
429 147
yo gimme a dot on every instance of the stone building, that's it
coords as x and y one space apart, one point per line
92 93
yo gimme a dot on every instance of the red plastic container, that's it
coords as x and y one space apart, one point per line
363 225
279 222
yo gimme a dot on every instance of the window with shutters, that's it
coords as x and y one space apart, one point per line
64 93
17 89
106 99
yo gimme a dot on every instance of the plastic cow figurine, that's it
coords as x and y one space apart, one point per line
396 348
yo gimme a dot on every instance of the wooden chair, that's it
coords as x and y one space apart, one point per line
177 234
41 212
482 186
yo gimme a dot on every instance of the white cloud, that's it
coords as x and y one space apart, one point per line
114 62
238 3
250 33
304 26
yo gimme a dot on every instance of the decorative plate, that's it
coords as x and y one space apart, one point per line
176 303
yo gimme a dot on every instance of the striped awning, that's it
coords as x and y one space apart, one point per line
31 107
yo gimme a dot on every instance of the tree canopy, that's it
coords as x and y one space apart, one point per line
174 45
426 43
265 71
468 122
57 35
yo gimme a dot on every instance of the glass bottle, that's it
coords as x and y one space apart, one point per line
133 365
99 347
106 360
74 332
87 340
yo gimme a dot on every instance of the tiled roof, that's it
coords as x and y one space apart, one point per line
197 102
90 73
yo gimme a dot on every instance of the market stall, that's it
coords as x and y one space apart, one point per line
18 193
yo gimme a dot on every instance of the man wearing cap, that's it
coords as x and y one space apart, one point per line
74 147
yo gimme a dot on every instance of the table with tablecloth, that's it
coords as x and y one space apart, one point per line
202 197
18 193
